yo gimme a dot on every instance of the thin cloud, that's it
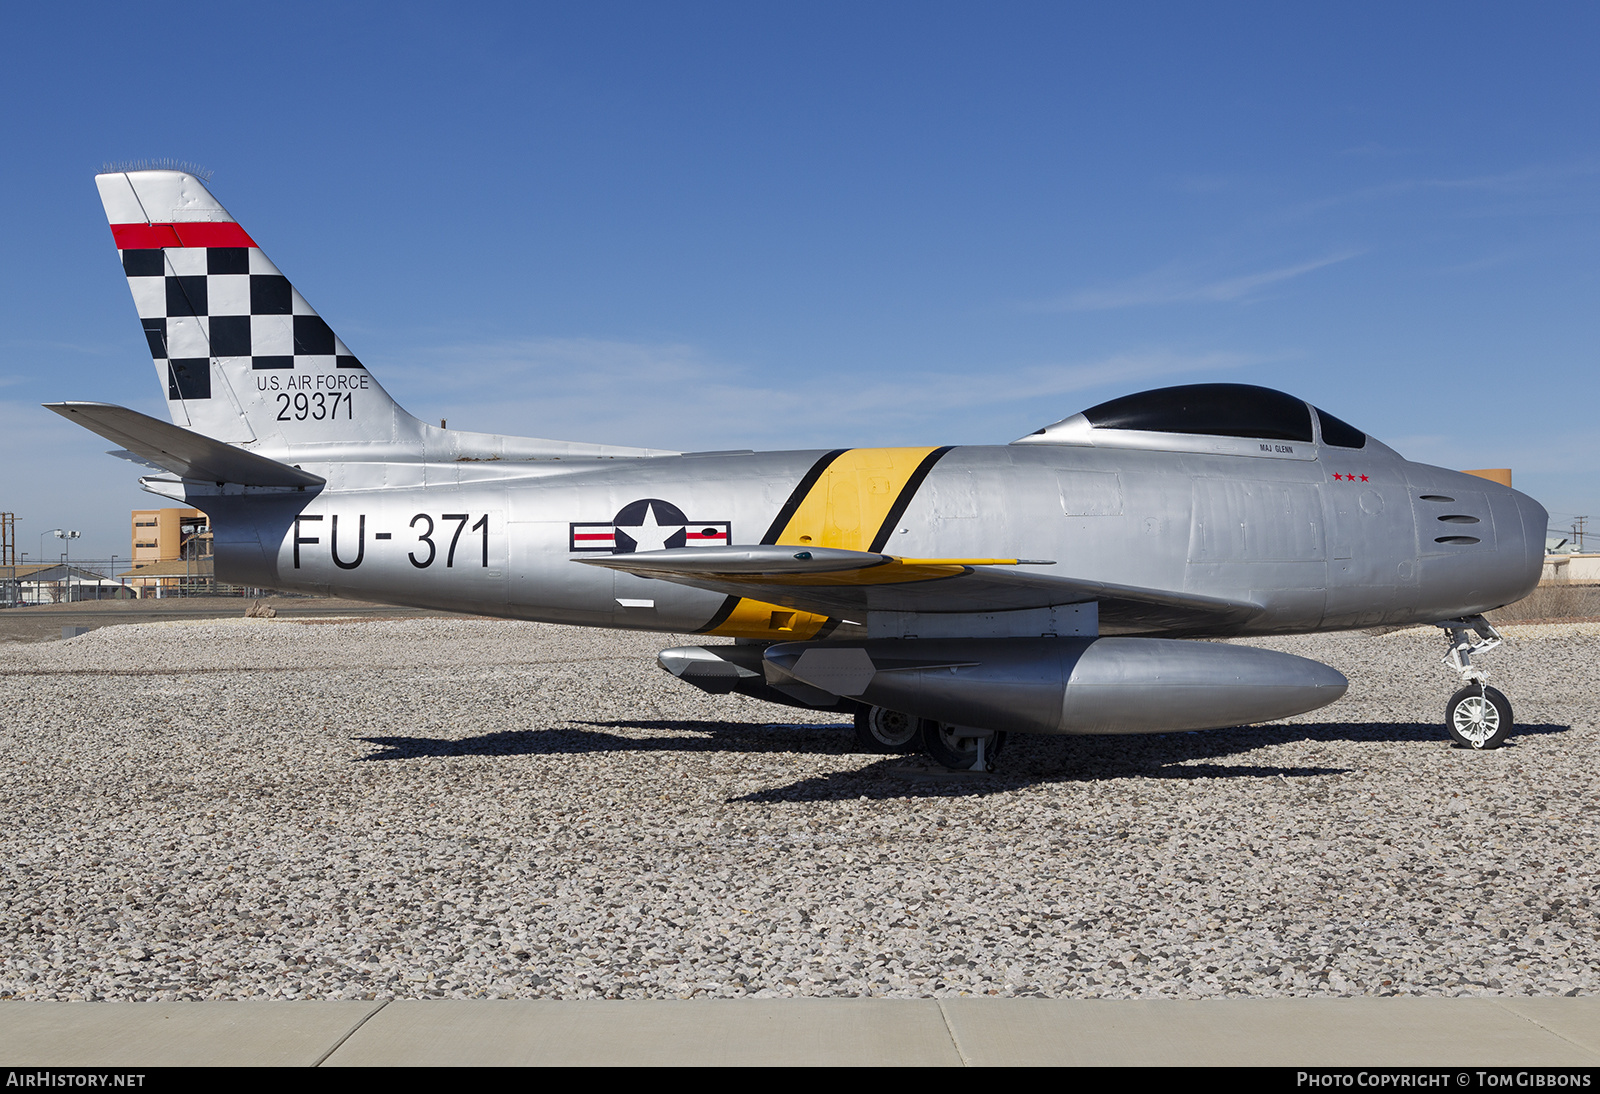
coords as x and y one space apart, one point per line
1488 262
49 345
1172 285
673 396
1375 150
1523 181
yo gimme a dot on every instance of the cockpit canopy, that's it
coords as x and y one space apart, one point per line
1242 411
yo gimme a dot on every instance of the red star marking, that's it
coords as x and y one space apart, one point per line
1363 478
1338 478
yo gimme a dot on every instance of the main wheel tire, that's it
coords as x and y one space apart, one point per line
944 743
887 731
1478 717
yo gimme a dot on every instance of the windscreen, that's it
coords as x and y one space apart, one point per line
1336 432
1218 410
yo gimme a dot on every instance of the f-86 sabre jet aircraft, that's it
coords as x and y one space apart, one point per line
944 595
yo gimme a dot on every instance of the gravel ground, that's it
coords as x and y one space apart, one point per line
466 808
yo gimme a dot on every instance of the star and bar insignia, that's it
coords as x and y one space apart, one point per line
649 524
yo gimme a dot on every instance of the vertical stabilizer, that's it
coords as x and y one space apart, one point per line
242 356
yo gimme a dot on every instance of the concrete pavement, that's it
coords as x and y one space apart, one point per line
1520 1032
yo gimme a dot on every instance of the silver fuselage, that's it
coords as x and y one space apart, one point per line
1316 538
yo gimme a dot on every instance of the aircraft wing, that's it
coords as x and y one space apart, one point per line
834 582
183 452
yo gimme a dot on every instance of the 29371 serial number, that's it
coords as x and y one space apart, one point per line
318 406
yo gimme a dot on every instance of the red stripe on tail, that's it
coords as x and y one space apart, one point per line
189 234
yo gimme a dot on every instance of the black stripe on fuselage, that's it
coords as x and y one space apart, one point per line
909 491
799 494
721 617
827 628
779 523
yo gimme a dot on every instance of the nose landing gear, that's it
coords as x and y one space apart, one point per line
1478 716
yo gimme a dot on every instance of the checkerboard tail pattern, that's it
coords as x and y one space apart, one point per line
241 354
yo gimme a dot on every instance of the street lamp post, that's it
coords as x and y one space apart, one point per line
67 537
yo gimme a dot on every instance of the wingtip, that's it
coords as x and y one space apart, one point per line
72 406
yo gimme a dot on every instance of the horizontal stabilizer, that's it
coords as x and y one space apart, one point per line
181 451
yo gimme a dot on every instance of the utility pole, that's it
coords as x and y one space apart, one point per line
8 558
1577 532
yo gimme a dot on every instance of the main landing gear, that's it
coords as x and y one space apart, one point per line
879 730
1478 716
960 748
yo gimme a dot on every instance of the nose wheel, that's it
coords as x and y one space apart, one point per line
1478 716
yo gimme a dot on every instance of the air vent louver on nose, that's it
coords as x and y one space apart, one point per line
1457 540
1436 497
1459 518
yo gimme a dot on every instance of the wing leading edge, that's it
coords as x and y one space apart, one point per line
846 584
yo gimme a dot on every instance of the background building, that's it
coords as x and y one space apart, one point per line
172 553
56 583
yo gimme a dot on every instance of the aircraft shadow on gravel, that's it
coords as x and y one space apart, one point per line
1037 759
573 739
1027 760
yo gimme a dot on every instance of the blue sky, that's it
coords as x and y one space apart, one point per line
704 225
